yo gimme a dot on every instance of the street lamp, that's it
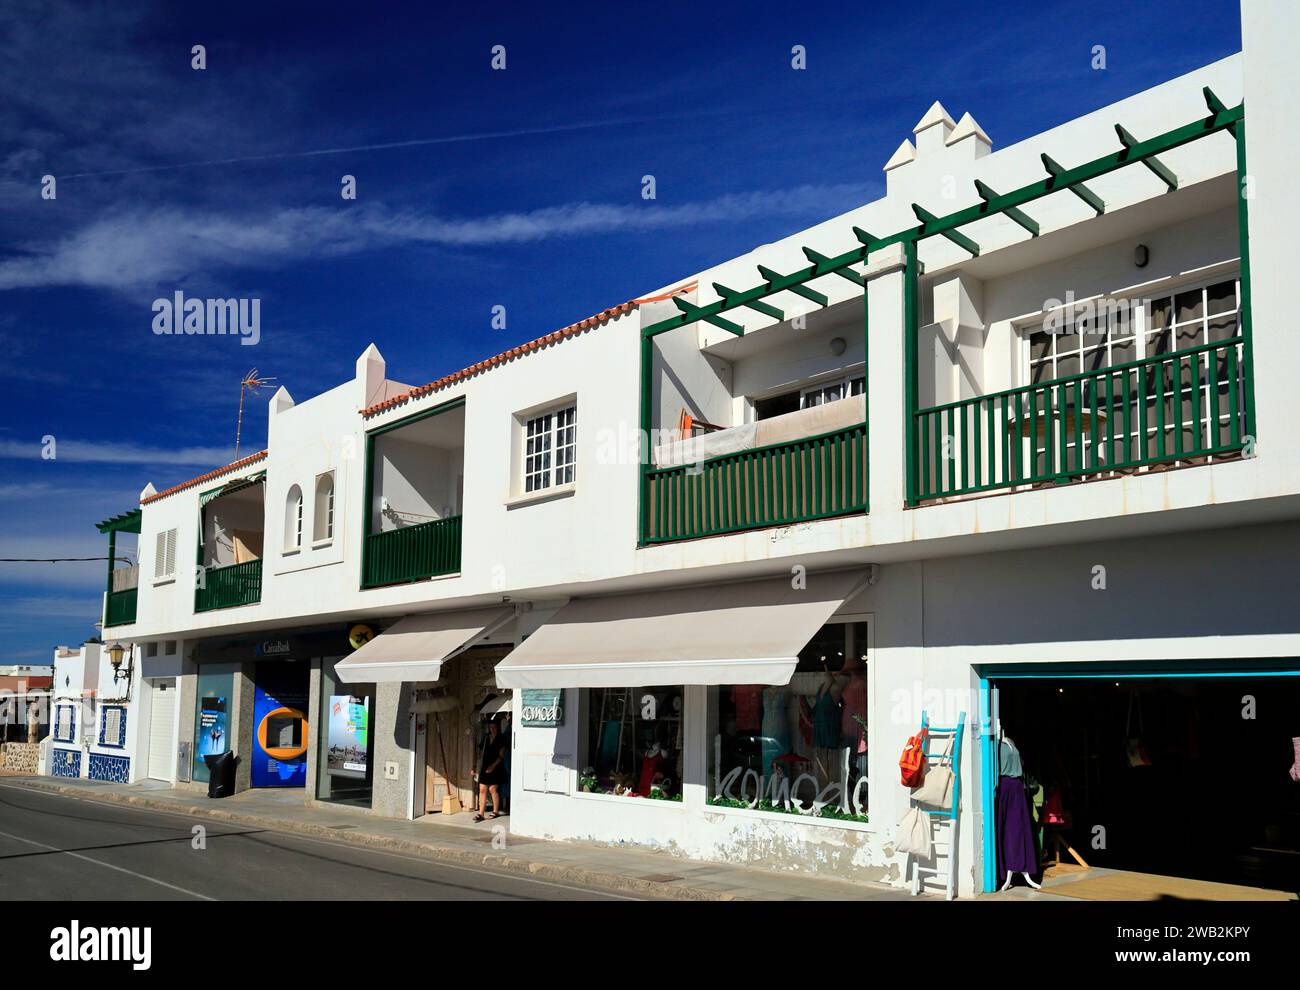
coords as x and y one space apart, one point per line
115 655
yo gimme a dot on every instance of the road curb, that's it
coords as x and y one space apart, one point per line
500 862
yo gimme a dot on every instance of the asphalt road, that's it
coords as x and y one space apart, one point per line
59 848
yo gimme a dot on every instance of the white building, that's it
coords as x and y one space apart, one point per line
1021 452
95 715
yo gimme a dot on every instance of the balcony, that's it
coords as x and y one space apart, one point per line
229 586
412 552
415 472
786 437
119 610
233 521
1181 408
774 485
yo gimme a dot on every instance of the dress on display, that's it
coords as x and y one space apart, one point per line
1017 852
776 726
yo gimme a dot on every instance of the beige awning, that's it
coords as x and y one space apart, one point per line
747 632
414 648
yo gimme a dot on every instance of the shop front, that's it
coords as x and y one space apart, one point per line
254 697
1168 778
435 670
728 722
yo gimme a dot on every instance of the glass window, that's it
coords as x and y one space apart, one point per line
550 449
799 748
293 519
632 742
323 517
345 769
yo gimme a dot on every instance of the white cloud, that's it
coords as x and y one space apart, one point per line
150 249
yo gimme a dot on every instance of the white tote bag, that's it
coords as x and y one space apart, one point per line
936 789
914 833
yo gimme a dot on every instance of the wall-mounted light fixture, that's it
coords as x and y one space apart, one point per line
1141 255
838 346
116 654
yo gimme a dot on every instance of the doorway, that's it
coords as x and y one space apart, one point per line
1180 771
453 732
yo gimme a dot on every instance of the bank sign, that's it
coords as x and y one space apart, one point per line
542 708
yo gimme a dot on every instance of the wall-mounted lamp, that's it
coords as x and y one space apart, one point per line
838 346
1141 255
116 653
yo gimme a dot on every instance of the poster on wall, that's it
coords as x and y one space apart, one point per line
214 727
280 720
349 736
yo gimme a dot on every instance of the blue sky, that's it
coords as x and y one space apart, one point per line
476 188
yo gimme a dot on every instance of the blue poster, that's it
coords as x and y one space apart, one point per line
280 725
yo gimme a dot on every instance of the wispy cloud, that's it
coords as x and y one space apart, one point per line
141 250
93 452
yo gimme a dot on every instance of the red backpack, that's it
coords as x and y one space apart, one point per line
912 762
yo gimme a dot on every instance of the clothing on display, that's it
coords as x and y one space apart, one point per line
748 699
776 726
1295 767
1009 764
1016 849
854 700
826 718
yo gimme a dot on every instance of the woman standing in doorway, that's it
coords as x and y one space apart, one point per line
491 770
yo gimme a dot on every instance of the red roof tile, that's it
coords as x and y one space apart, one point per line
554 337
217 473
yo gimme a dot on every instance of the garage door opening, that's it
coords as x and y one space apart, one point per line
1186 777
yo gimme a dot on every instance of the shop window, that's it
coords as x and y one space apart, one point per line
632 742
798 748
346 773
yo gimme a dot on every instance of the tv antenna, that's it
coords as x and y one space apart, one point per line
251 383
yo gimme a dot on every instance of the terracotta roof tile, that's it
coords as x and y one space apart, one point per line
555 336
217 473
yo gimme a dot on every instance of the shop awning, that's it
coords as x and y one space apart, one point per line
747 632
415 648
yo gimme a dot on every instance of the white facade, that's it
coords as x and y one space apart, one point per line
966 586
96 714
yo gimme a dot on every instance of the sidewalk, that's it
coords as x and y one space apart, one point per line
620 868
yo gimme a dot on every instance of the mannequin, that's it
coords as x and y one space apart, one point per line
852 734
1016 850
776 726
826 725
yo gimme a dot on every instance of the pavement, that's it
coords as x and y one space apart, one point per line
274 844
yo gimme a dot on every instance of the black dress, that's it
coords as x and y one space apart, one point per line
493 752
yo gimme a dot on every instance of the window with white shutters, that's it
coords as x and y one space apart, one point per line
164 558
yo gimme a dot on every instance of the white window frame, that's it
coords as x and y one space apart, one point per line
325 539
164 555
844 385
551 467
1141 335
293 520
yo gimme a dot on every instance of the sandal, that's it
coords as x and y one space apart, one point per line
478 818
493 814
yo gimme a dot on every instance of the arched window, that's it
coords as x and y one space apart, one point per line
323 520
293 519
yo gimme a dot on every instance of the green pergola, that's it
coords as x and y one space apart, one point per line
1058 178
121 605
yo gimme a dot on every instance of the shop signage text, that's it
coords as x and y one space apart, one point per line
542 708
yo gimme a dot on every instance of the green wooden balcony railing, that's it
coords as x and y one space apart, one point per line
227 587
1184 406
412 553
120 609
797 481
